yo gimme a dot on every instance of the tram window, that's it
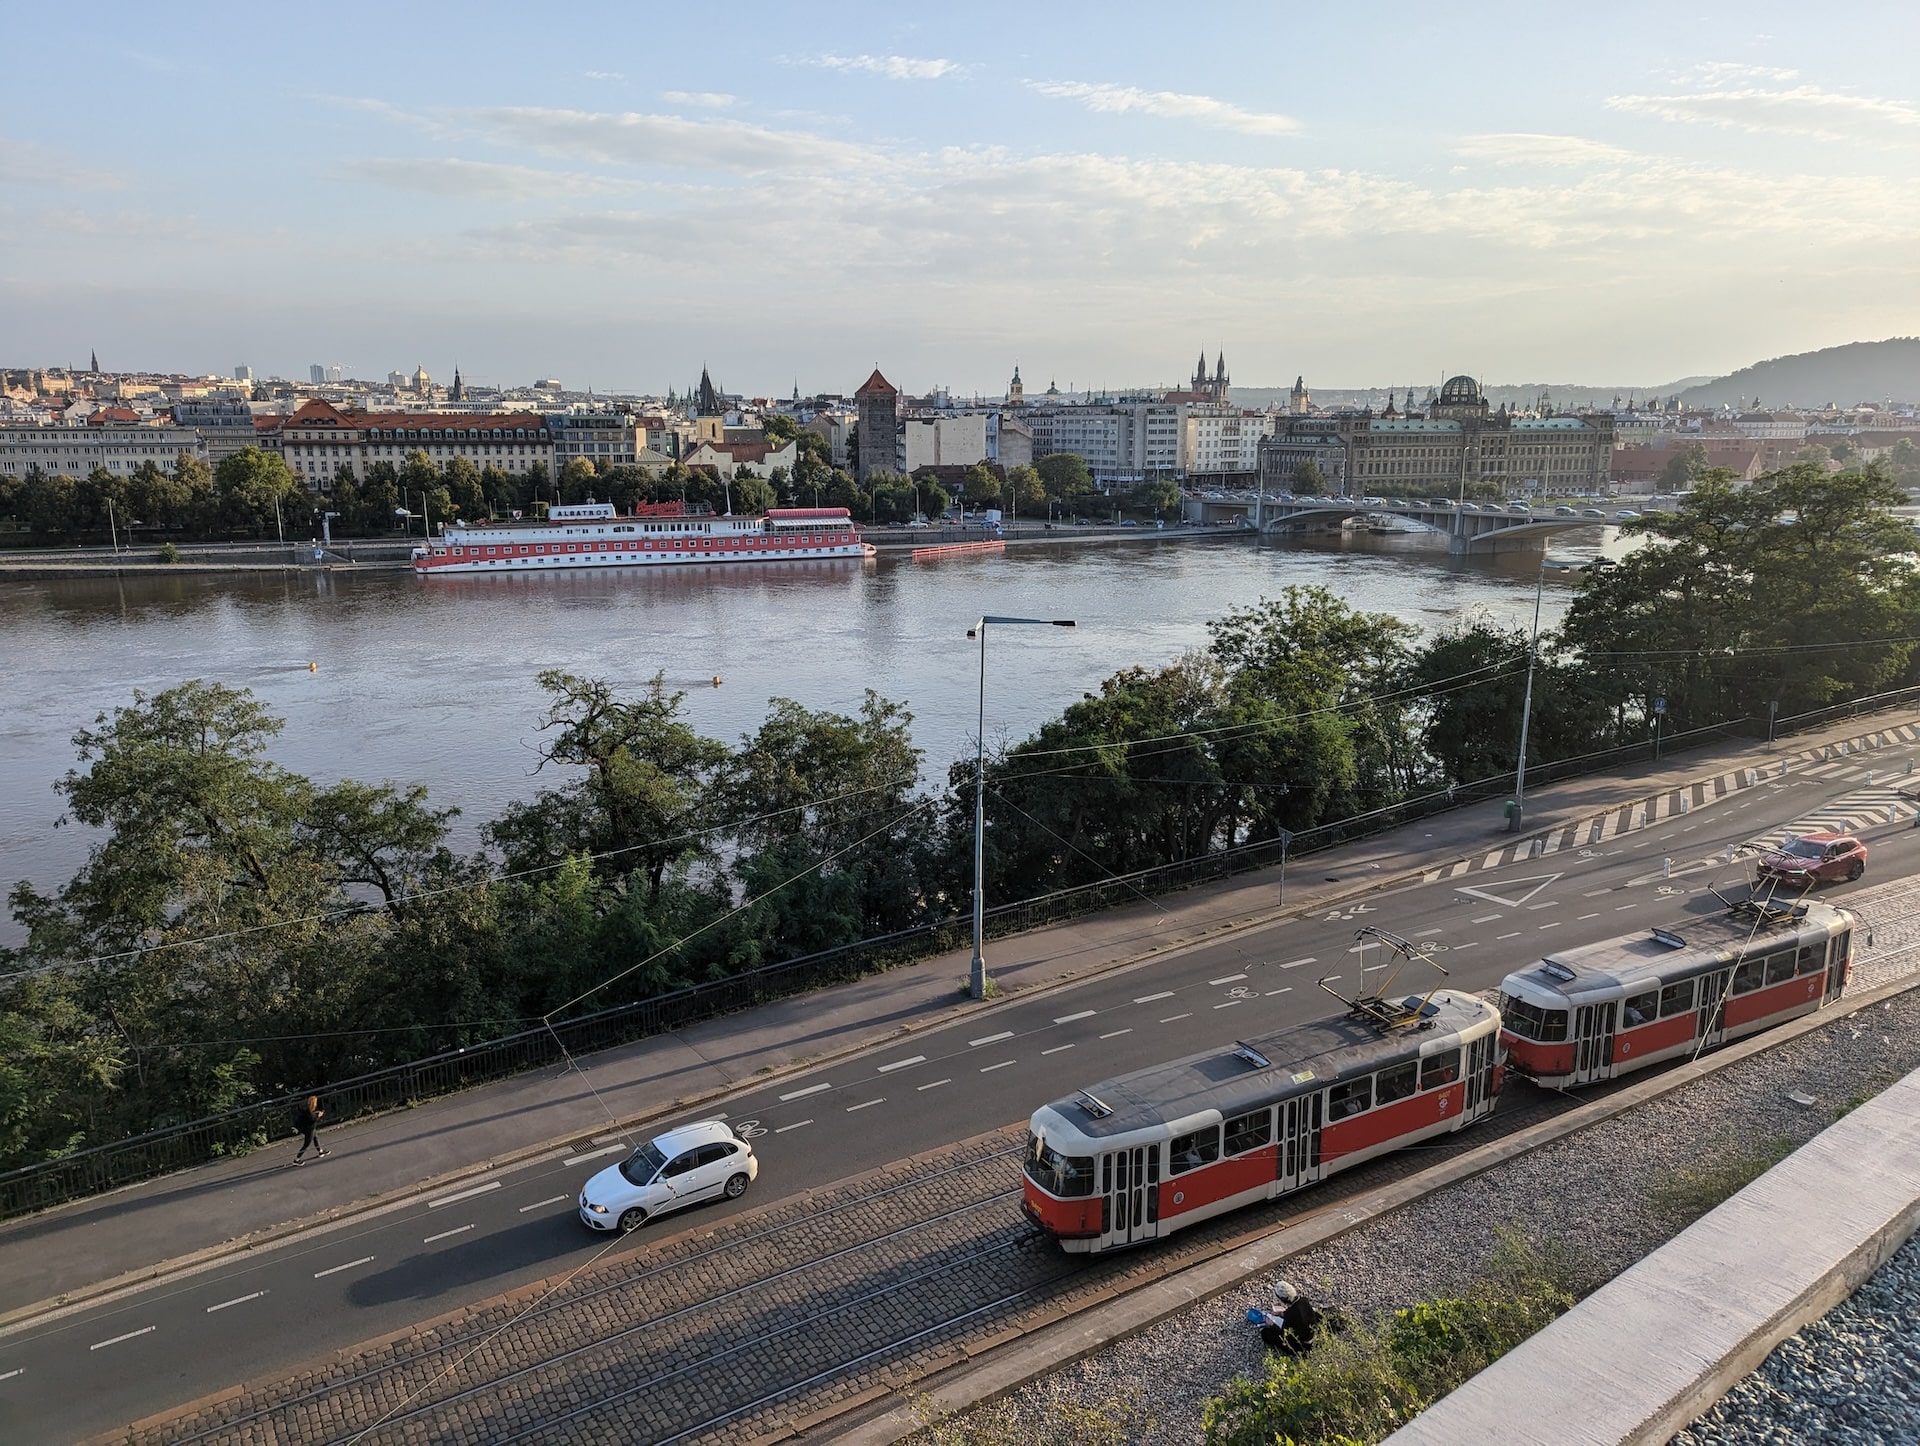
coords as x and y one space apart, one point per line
1249 1132
1437 1070
1780 966
1676 999
1058 1174
1395 1083
1813 960
1352 1098
1641 1008
1529 1021
1190 1152
1749 976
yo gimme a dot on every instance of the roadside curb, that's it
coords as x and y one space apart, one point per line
274 1236
1019 1355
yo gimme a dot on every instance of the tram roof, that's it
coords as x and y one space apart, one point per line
1302 1057
1705 941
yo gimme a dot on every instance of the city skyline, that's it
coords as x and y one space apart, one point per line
950 198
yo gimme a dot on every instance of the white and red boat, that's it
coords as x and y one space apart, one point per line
661 534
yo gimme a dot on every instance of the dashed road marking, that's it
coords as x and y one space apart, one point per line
1230 1003
990 1039
934 1085
1229 979
1056 1049
1296 963
1514 935
802 1094
902 1064
447 1234
1586 916
1488 918
590 1155
1070 1018
336 1269
989 1069
796 1125
143 1331
9 1375
538 1204
237 1300
1554 925
1172 1017
486 1189
867 1104
1116 1034
1284 989
1626 906
1595 893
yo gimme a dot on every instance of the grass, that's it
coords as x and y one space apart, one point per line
1116 1421
1687 1194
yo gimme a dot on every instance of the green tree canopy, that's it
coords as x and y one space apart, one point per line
1064 475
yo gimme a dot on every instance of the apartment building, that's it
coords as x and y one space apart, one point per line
319 439
119 445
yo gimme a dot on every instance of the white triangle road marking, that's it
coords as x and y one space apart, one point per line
1510 899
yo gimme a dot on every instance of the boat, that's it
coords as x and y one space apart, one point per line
659 534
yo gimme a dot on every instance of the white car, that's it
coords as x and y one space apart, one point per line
699 1162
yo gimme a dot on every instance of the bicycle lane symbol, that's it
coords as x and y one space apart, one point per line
749 1129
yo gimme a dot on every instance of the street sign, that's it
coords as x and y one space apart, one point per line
1659 705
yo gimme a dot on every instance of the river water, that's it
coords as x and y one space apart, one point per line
432 681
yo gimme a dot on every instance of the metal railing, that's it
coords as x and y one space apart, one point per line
109 1166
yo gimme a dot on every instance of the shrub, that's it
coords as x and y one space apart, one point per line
169 553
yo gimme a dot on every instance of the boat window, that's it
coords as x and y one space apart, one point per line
1640 1009
1780 966
1190 1152
1249 1132
1676 999
1395 1083
1058 1174
1440 1069
1749 975
1352 1098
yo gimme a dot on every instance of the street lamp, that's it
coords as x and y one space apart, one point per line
977 974
1514 819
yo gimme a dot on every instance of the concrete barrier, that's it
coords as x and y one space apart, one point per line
1656 1346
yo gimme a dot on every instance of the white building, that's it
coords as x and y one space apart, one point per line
319 439
606 439
1121 442
1223 443
76 450
947 441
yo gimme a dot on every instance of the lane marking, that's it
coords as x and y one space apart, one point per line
1070 1018
935 1085
1514 935
9 1375
1116 1034
1626 906
336 1269
1596 893
486 1189
1554 925
550 1200
1296 963
1510 901
1230 979
1172 1017
1488 918
1470 944
1550 903
1055 1050
796 1125
870 1103
1333 976
447 1234
802 1094
1584 917
1230 1003
585 1155
1285 989
143 1331
1150 998
237 1300
902 1064
989 1069
990 1039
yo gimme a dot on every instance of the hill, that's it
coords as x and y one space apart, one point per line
1861 371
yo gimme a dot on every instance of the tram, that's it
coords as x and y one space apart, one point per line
1148 1153
1598 1011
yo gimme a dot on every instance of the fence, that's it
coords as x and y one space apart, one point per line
122 1162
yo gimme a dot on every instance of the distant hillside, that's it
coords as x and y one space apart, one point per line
1514 394
1861 371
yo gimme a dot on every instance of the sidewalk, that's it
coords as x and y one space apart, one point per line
80 1250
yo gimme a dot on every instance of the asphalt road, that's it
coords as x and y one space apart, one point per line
99 1367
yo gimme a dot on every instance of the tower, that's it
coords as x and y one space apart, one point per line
1220 379
1016 389
708 404
96 363
1301 401
459 392
878 401
1200 373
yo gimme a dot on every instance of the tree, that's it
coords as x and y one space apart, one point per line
751 494
1025 488
1064 475
780 429
1812 455
1688 461
465 491
982 487
246 487
1159 495
1308 479
578 481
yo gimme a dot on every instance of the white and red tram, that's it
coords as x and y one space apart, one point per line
1601 1010
1145 1154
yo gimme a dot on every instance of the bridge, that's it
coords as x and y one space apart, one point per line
1467 526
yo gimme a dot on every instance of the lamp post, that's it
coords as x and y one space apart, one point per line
1518 815
977 974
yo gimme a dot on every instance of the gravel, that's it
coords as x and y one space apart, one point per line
1596 1196
1849 1379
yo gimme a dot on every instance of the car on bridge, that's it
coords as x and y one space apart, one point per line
684 1166
1564 511
1593 512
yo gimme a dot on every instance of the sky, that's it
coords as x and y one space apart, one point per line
618 195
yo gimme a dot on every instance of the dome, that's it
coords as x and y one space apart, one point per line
1460 390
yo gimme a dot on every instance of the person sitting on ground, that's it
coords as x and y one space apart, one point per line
1292 1331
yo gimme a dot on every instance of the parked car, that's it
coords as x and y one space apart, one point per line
1815 858
1564 512
684 1166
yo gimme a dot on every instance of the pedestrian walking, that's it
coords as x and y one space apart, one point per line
306 1119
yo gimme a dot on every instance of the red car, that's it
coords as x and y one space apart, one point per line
1815 858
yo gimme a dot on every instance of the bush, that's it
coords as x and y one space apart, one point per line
1362 1385
1114 1422
169 553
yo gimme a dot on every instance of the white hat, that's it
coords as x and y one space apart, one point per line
1284 1292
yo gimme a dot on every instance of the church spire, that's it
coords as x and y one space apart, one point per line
96 362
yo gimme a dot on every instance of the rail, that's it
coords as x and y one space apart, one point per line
110 1166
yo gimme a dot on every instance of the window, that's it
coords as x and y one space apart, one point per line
681 1164
1058 1174
642 1165
1780 966
1249 1132
1640 1009
1352 1098
1676 999
1529 1021
1749 975
714 1154
1395 1083
1813 960
1190 1152
1439 1069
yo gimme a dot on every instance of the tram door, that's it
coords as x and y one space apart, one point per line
1479 1073
1710 1012
1297 1161
1130 1188
1593 1041
1837 955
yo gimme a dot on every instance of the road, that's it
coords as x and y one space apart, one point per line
326 1290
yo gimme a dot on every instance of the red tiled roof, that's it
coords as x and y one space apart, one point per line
877 383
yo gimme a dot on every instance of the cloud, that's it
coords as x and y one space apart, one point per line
604 74
1717 72
24 163
447 176
704 99
629 138
1169 105
893 67
1527 148
1803 110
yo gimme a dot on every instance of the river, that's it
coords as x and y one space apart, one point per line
432 681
